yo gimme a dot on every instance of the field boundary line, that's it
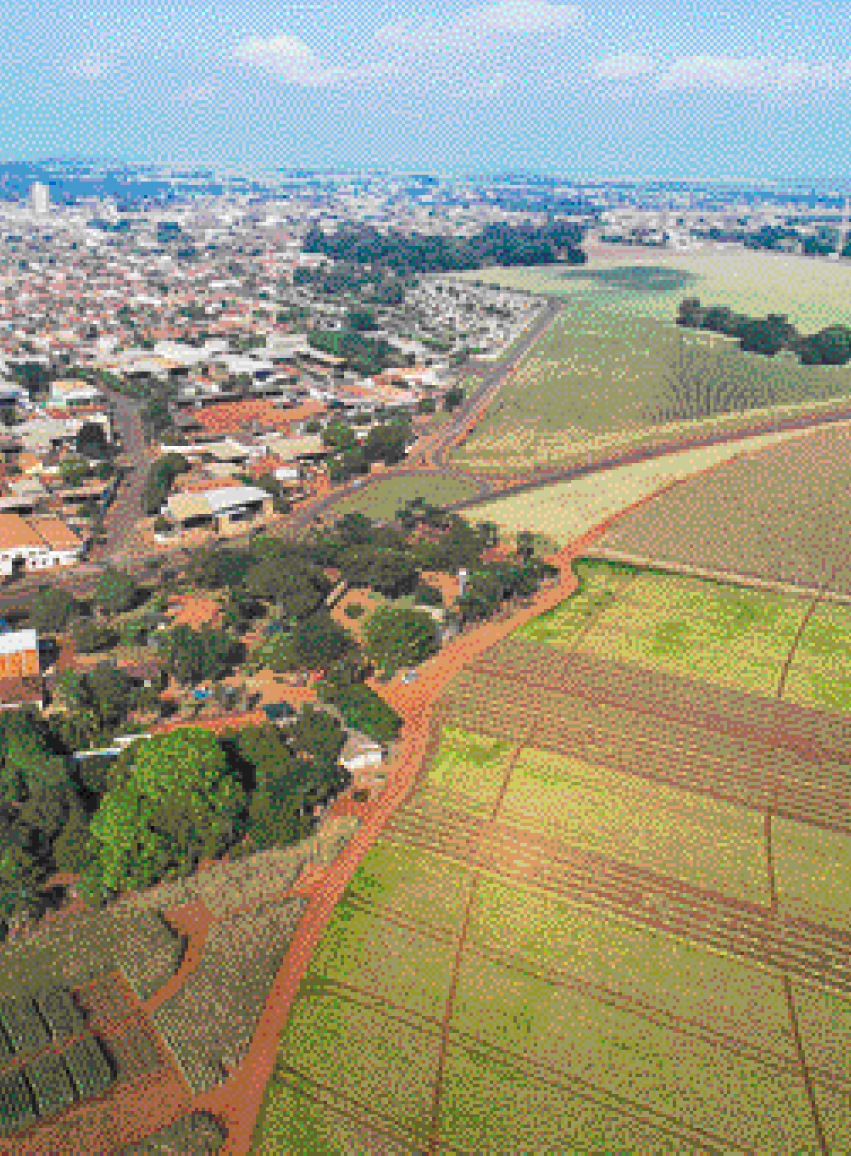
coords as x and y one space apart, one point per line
447 1015
805 1071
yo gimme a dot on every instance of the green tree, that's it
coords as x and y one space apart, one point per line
296 593
452 399
386 443
194 656
115 591
319 640
525 544
51 610
90 636
91 441
215 567
317 735
176 799
111 692
337 435
396 638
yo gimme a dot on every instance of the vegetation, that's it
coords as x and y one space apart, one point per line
194 656
769 335
363 710
115 591
160 480
396 638
91 636
51 610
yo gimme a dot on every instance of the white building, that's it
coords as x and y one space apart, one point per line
36 544
39 198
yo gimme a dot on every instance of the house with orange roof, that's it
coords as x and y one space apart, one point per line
36 543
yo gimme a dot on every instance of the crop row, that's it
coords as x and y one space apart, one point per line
211 1019
193 1134
148 950
225 887
106 1000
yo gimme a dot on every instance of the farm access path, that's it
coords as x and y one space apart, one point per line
239 1098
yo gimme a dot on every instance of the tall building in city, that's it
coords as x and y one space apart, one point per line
39 198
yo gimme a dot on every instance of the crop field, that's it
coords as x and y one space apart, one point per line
469 767
700 840
380 500
385 960
812 293
755 518
599 379
813 869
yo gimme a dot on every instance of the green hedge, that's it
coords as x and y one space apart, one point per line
363 710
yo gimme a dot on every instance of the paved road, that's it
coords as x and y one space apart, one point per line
126 509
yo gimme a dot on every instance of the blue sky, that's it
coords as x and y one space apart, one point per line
670 90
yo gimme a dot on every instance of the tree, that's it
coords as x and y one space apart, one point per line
51 609
428 595
490 534
484 592
317 735
319 640
176 798
111 693
525 544
397 638
115 591
452 399
90 636
215 567
386 443
296 593
337 435
194 656
91 441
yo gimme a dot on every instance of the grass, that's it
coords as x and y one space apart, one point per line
661 970
813 868
380 500
600 378
668 1069
386 1065
384 960
695 838
832 1104
820 672
422 886
479 1108
469 765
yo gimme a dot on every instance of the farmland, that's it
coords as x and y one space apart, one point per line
813 294
758 518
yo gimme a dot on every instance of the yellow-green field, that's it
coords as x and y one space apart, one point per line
813 869
380 500
812 293
469 766
707 842
603 376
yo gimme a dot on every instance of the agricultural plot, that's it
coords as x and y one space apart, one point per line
195 1134
375 1060
470 767
599 379
754 1102
813 871
90 1071
399 964
703 841
297 1119
211 1019
479 1108
812 293
600 584
16 1106
707 630
754 519
422 886
649 967
50 1083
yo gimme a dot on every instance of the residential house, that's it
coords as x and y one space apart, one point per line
35 543
225 510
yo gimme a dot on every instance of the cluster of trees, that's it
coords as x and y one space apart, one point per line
160 480
366 355
498 244
178 797
362 709
386 443
768 335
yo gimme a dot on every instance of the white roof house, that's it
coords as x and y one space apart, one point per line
361 752
14 641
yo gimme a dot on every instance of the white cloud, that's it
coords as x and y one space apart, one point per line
91 67
742 73
522 16
295 62
624 66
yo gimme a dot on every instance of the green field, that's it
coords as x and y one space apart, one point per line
812 293
752 1102
813 869
689 626
615 370
820 672
470 766
381 959
703 841
423 887
384 1064
380 500
726 995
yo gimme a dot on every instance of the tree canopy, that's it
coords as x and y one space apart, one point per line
396 638
116 591
91 441
51 609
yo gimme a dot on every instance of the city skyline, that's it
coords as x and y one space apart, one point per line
456 87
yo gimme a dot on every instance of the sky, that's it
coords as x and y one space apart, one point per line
722 91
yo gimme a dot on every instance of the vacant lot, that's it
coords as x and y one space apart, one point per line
380 500
759 518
